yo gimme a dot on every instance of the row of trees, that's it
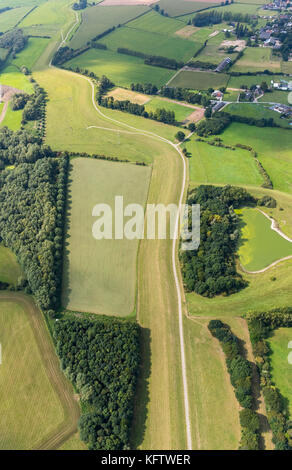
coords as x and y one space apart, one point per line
208 18
183 94
147 88
261 325
160 114
211 270
101 358
240 371
157 61
213 125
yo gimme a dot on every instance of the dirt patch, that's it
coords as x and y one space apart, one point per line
121 94
212 35
107 3
186 32
6 92
196 116
239 45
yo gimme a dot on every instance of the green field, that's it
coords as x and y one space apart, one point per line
12 77
156 23
276 97
257 59
12 119
97 19
120 68
9 18
217 165
199 80
52 12
257 111
273 146
28 56
260 246
181 112
10 270
231 96
100 275
151 43
184 7
212 54
249 80
30 408
281 369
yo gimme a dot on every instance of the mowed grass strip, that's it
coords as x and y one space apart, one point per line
97 19
213 406
29 406
260 246
281 368
217 165
12 119
10 270
100 275
151 43
120 68
199 80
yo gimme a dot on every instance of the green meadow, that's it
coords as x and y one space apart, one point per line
97 19
13 77
257 59
249 80
31 53
120 68
184 7
274 148
9 18
210 164
12 119
181 112
100 275
153 22
276 97
257 111
199 80
260 246
281 368
10 270
151 43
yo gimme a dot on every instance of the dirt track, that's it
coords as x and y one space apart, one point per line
59 382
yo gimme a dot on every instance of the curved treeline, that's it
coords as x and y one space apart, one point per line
261 325
211 270
32 197
101 358
240 371
157 61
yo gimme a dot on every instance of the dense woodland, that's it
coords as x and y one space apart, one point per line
240 371
211 269
13 40
32 197
261 325
101 359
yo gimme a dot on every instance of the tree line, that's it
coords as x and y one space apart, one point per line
209 18
240 371
183 94
211 269
261 325
101 358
